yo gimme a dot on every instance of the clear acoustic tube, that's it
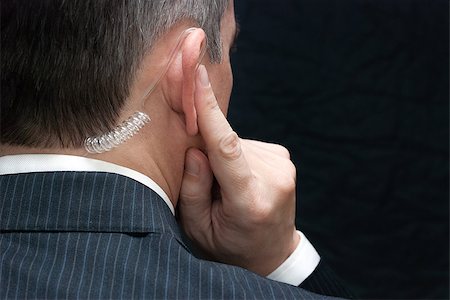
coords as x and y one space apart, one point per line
128 128
118 135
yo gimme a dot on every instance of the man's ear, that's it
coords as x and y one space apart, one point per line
182 73
192 50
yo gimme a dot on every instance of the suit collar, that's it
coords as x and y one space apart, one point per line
30 163
82 201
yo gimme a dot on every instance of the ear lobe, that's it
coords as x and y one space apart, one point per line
192 50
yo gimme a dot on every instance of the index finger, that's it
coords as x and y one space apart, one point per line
223 145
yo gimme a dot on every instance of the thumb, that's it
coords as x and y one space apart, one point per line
222 144
194 204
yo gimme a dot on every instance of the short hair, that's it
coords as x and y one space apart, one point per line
67 65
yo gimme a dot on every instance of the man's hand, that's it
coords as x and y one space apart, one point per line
248 218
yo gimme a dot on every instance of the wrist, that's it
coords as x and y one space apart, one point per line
266 266
295 241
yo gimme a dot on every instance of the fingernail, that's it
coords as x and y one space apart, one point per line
203 75
192 165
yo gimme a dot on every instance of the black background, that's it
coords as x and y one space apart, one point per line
357 90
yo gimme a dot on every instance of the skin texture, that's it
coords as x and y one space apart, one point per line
249 220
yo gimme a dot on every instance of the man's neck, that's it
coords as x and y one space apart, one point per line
167 173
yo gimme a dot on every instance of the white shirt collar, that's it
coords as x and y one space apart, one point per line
28 163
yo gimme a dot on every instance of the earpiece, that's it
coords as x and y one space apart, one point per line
118 135
123 132
172 56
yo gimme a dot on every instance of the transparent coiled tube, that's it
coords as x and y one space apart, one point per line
118 135
124 131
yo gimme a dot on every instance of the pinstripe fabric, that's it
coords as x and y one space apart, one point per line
324 281
99 235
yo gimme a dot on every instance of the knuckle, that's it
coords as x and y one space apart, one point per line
286 185
230 146
292 170
279 150
283 151
262 209
287 153
289 185
192 194
264 214
260 214
189 198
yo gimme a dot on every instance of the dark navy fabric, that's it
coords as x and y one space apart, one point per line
101 235
325 282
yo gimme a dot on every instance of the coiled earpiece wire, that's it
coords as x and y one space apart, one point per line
127 129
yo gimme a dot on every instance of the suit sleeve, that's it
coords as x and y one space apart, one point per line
306 269
325 282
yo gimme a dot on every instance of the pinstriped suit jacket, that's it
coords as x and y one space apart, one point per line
102 235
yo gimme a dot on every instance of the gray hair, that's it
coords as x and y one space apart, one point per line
65 61
205 13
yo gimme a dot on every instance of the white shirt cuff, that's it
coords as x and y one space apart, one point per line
299 265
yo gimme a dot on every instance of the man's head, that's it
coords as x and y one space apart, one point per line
69 67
